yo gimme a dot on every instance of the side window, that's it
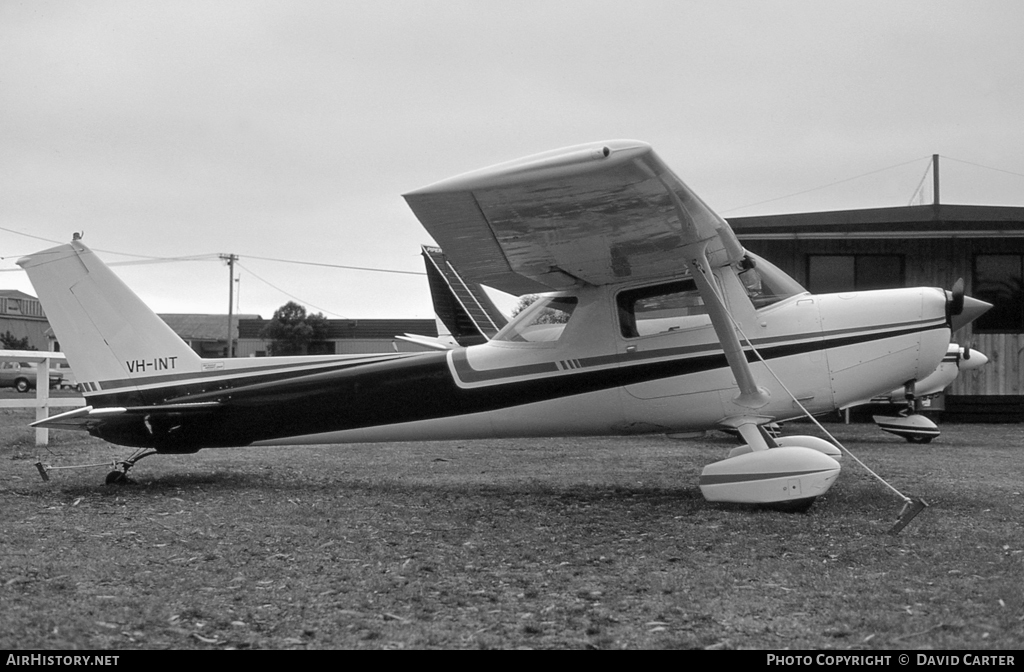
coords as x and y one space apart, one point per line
541 322
660 309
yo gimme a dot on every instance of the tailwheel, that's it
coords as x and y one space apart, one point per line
120 476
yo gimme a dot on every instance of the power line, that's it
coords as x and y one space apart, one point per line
209 256
249 270
824 186
147 259
123 254
970 163
351 268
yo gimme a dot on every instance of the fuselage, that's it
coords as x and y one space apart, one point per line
603 360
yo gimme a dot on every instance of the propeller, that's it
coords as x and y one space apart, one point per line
971 358
955 298
961 309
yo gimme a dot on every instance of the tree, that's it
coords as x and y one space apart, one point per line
546 316
9 342
293 332
525 301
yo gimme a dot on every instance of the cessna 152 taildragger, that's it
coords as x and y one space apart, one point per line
653 318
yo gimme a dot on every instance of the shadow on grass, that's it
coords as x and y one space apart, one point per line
680 501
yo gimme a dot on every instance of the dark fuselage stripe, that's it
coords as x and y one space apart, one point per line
776 347
384 393
250 374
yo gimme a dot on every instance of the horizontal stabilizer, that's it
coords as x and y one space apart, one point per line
87 416
427 341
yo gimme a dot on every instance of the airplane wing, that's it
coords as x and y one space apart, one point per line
599 214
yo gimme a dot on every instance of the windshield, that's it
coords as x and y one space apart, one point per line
541 322
767 284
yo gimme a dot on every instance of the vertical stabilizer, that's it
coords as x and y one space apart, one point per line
111 338
464 308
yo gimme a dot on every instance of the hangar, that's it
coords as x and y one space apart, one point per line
929 245
22 316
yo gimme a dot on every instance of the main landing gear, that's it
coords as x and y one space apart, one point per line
119 476
787 473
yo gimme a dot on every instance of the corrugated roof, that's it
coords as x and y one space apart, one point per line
917 221
199 327
15 294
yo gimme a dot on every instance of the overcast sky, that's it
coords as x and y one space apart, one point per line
289 130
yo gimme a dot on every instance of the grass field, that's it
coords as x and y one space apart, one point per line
563 543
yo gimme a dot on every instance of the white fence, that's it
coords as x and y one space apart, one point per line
42 401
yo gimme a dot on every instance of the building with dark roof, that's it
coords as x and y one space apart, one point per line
206 334
344 337
22 316
930 245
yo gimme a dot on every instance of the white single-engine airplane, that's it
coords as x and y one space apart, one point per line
655 320
466 316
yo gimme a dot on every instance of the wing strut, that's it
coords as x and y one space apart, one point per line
751 396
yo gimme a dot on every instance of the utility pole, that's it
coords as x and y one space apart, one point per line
935 177
231 259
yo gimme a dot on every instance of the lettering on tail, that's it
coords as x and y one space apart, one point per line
155 364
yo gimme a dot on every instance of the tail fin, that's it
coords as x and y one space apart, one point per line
111 338
464 308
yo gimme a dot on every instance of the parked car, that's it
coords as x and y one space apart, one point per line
22 376
68 380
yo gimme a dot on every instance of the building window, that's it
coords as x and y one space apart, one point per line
999 279
828 273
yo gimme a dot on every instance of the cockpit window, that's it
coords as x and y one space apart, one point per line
660 309
678 305
543 321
